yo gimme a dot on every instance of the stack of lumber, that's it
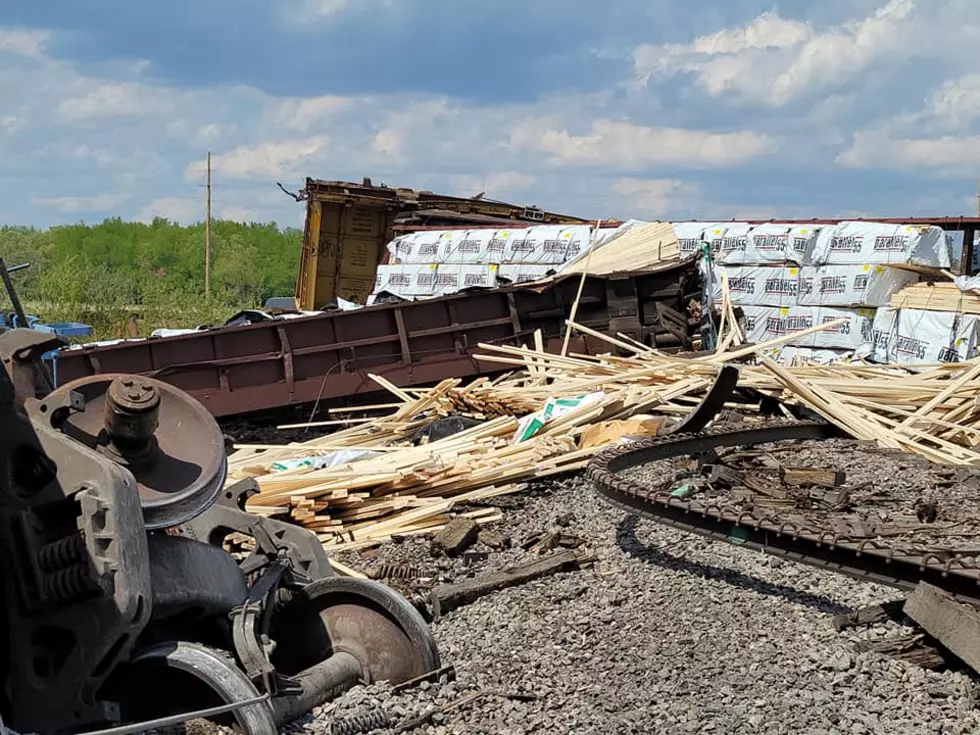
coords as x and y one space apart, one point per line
642 247
403 489
938 296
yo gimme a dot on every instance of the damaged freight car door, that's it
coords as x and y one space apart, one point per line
343 243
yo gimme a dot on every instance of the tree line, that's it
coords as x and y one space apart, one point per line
116 274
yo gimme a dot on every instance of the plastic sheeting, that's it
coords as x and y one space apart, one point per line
727 240
916 336
334 459
790 355
551 244
870 243
851 285
768 244
764 323
426 280
760 285
524 273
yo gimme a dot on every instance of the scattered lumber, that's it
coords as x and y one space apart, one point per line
955 625
451 596
456 536
913 649
891 610
493 540
719 474
387 485
806 476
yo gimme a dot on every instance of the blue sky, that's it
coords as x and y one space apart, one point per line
646 108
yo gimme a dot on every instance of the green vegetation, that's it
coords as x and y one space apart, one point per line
104 274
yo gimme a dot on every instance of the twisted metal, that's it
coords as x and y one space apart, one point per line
891 564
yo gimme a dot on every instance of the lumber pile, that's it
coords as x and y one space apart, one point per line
938 296
400 489
642 247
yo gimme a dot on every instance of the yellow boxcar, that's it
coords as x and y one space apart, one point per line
349 225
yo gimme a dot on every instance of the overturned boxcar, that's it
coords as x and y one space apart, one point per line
330 356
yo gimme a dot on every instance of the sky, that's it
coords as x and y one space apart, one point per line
623 108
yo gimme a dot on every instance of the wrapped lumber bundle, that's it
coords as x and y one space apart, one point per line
851 333
768 244
792 356
542 244
773 286
437 263
871 243
852 285
414 281
917 336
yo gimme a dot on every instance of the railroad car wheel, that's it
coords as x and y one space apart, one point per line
366 619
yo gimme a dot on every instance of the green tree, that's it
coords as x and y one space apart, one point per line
103 274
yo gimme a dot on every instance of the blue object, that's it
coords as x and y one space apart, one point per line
64 329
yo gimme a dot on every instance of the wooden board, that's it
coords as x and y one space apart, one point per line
955 625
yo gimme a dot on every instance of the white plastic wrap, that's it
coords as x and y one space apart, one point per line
728 240
968 283
916 336
854 334
546 244
689 237
471 246
851 285
524 272
764 323
870 243
761 285
768 244
790 355
420 247
426 280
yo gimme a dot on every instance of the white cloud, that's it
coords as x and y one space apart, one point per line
304 10
324 8
653 197
389 142
116 100
185 211
302 114
493 184
625 145
28 43
212 132
276 159
97 203
10 123
776 61
236 213
956 104
878 149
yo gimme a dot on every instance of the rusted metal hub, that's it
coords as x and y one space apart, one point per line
170 443
365 619
132 411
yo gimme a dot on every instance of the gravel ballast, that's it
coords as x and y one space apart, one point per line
666 632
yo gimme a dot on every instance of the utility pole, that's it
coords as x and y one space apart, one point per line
207 235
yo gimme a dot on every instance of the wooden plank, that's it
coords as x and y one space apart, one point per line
456 536
820 476
869 615
955 625
451 596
